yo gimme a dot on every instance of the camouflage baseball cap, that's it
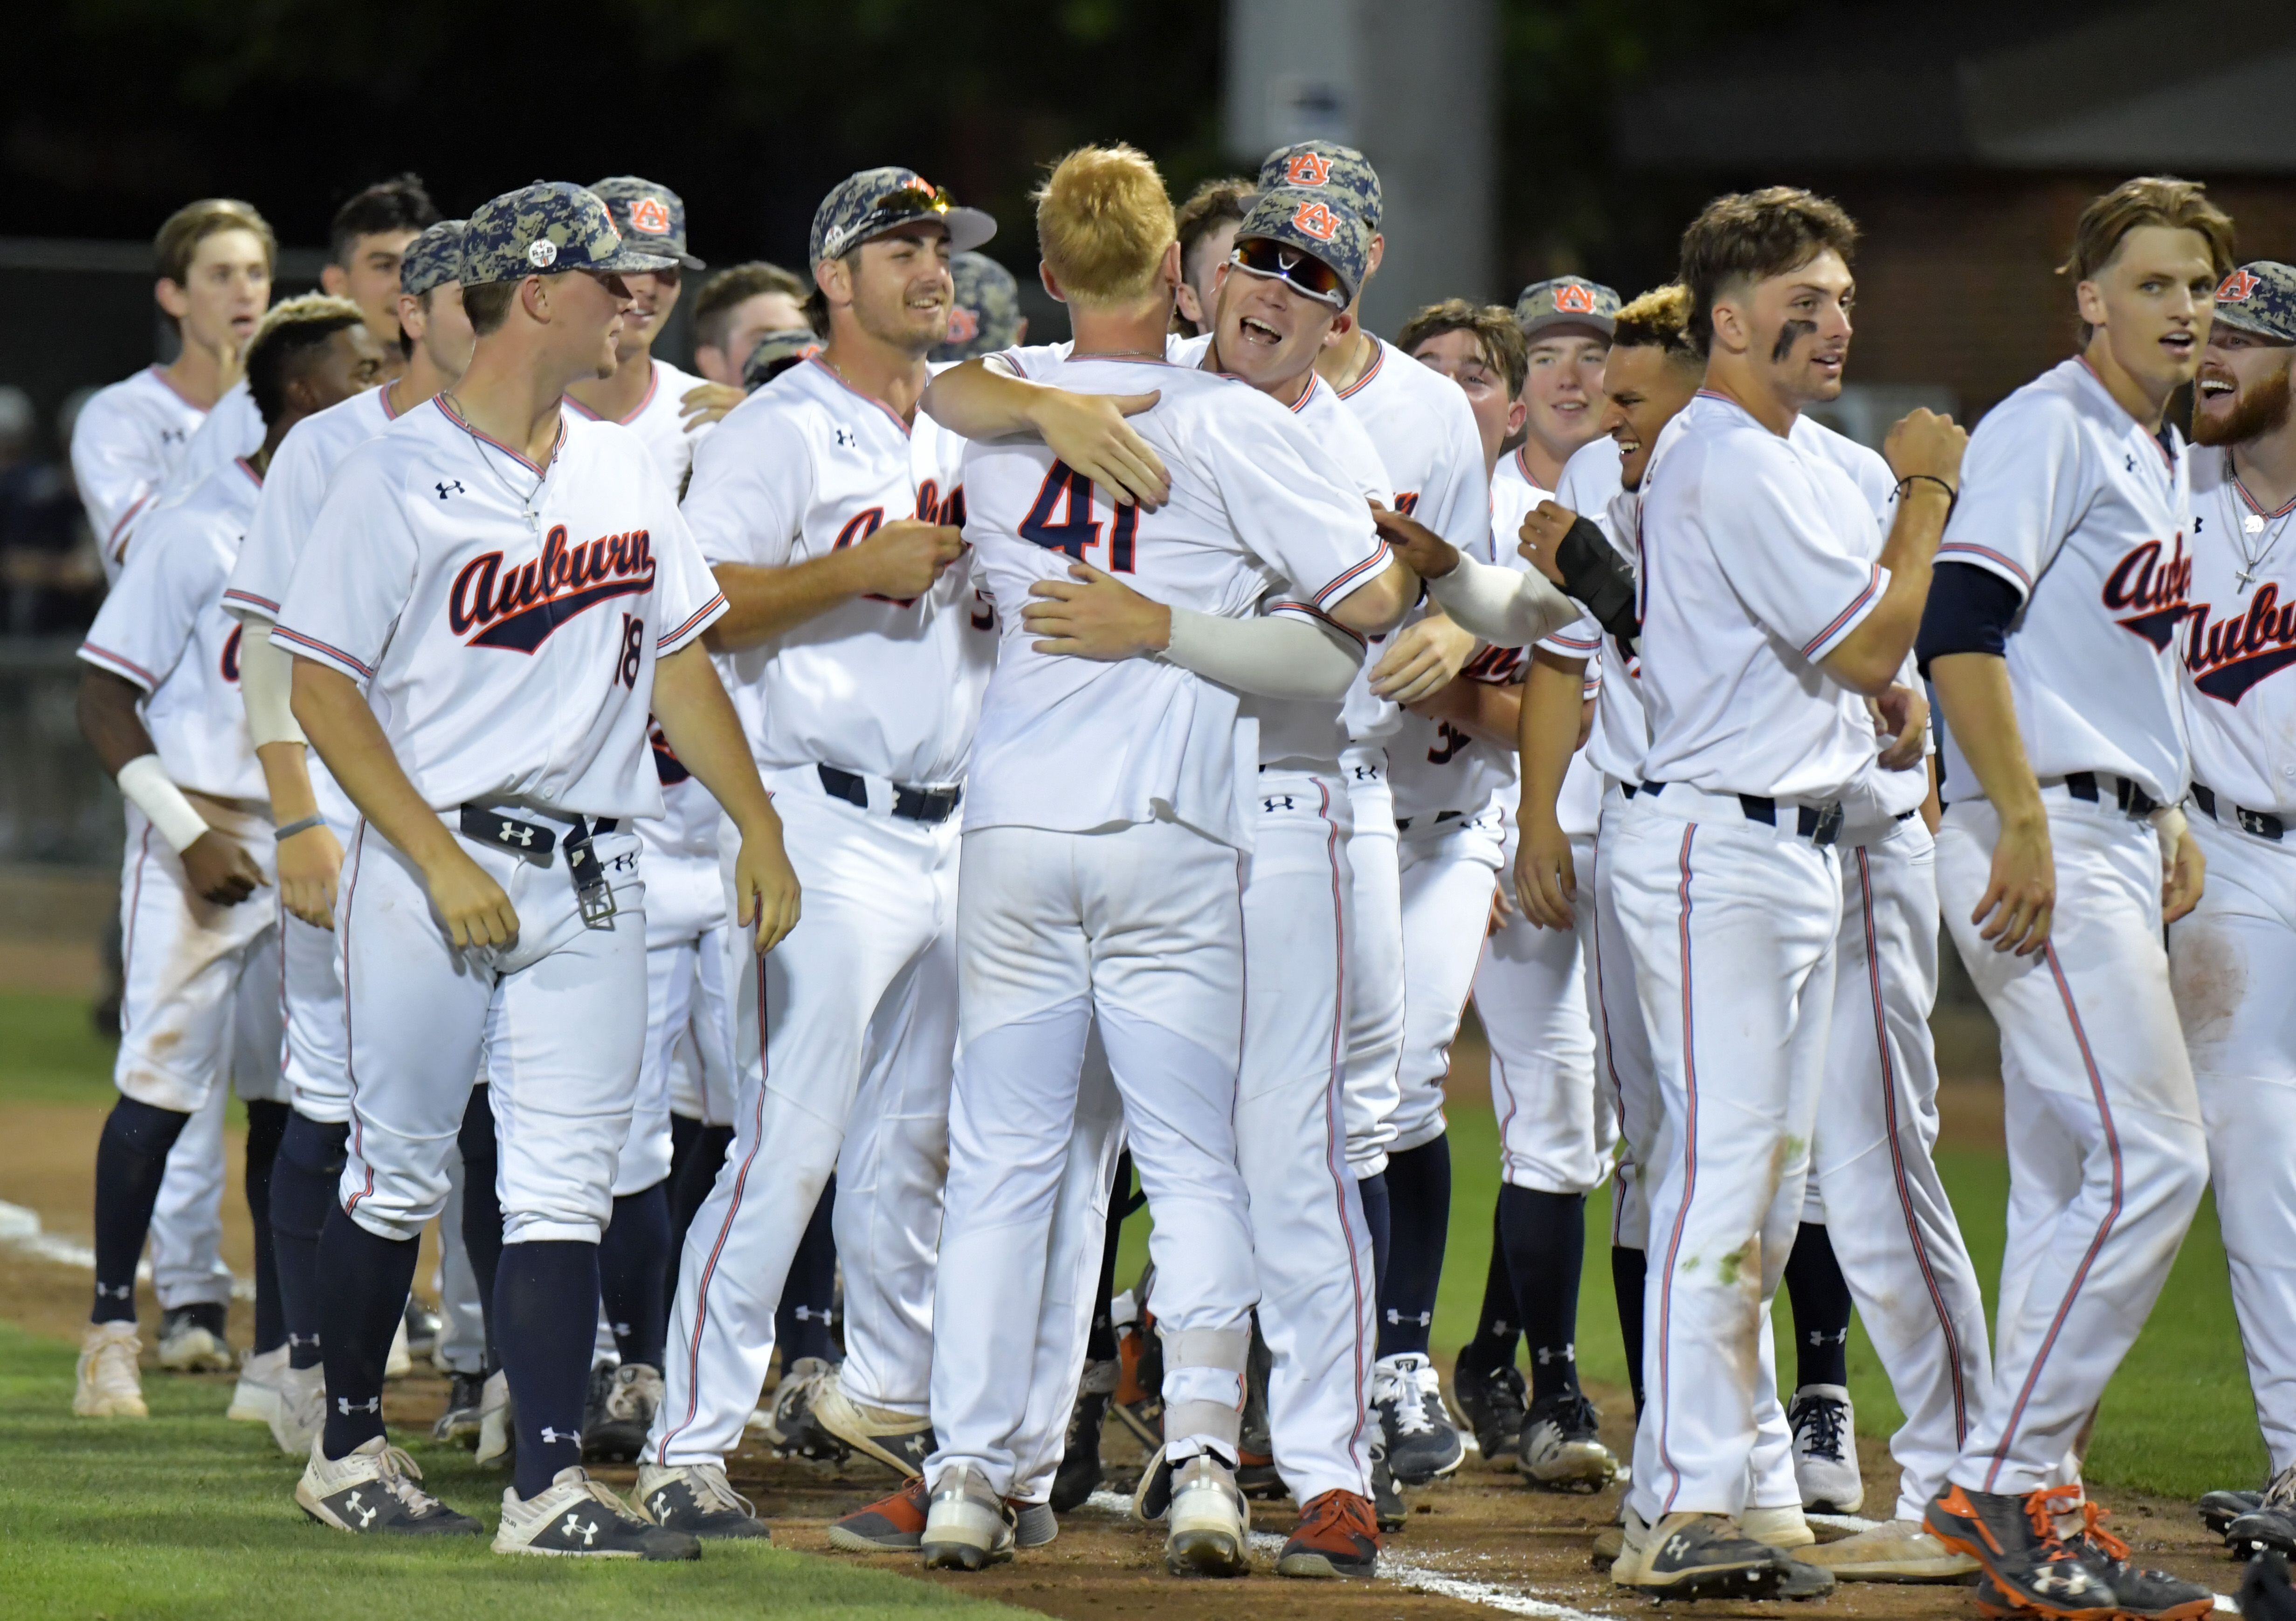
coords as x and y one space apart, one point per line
649 215
545 229
434 256
1566 300
774 353
877 200
2260 297
1342 172
986 316
1315 224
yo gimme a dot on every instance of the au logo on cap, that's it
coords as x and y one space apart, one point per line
648 215
1314 219
542 253
2236 287
1307 168
1574 300
964 326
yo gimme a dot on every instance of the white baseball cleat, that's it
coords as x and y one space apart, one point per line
1825 1449
191 1340
301 1411
400 1362
576 1517
107 1384
370 1492
495 1437
1207 1526
1786 1527
1898 1550
255 1399
898 1440
967 1525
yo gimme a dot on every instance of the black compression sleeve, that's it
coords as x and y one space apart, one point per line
1595 575
1970 610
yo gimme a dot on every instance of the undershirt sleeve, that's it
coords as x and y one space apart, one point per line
1970 610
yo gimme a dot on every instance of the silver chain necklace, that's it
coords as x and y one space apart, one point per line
2252 522
527 503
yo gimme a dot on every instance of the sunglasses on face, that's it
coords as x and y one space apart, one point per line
1305 274
895 208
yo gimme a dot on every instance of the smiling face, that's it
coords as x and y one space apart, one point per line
653 294
351 362
896 287
2149 306
1460 355
1562 392
1643 387
2242 392
224 292
1264 331
1792 328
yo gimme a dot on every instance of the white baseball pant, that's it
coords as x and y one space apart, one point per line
842 1040
556 1019
686 974
1140 927
1449 867
1375 986
187 1264
2107 1157
463 1339
1732 923
2234 962
318 1049
1624 1071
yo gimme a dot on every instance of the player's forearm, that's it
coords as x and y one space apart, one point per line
1375 607
1546 732
763 604
108 719
266 679
1488 714
705 734
979 401
1276 656
1869 658
1974 691
1506 607
287 779
335 716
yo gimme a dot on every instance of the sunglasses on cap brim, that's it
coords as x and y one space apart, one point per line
911 203
1305 273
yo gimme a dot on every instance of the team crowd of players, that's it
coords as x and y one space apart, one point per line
770 856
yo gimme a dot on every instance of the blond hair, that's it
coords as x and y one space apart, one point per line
1103 222
1659 320
289 331
192 223
2148 200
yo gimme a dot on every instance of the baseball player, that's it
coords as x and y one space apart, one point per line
1107 887
2234 643
859 656
986 314
1566 323
317 821
2064 577
488 552
1207 224
647 396
199 1009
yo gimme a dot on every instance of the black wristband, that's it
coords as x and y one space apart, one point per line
1595 575
1952 495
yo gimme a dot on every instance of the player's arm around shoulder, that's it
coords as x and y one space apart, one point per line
986 398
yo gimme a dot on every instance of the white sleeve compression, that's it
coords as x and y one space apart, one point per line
1274 655
146 784
266 675
1506 607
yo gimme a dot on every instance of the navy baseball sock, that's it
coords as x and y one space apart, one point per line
1419 1222
801 1321
266 1122
631 1271
545 1323
1626 1271
1546 1240
131 1160
482 1239
692 1176
1372 1192
305 1176
1821 1309
1498 1328
363 1286
1100 1340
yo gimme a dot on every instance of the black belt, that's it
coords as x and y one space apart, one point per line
2264 824
1403 824
913 804
1820 827
535 843
2086 785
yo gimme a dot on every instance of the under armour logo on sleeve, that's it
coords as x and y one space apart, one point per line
846 437
451 486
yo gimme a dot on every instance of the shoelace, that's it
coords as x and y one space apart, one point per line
2092 1524
115 1365
398 1474
1344 1509
711 1485
1820 1422
2042 1508
2282 1493
1410 1408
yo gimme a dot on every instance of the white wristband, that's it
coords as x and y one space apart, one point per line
144 783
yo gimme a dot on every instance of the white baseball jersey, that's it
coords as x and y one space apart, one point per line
163 627
1257 506
125 441
2067 497
1758 560
1514 494
889 689
233 429
2238 636
1591 486
504 619
294 485
657 421
687 827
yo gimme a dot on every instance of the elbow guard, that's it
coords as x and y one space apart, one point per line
1597 575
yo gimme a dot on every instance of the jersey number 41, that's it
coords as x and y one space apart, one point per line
1060 520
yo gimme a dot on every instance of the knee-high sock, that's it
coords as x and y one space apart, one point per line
801 1321
267 1123
1373 1191
692 1172
1821 1309
363 1281
482 1227
632 1268
1499 1326
304 1175
131 1160
1627 1270
1545 1236
545 1319
1418 1224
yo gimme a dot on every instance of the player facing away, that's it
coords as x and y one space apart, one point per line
2228 954
493 556
859 652
313 820
2063 580
1103 836
199 1011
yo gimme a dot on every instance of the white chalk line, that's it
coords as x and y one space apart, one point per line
20 1231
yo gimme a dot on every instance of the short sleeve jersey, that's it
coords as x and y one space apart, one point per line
125 441
163 627
1257 506
1757 562
805 467
659 422
1589 482
2238 643
293 487
504 620
233 429
1593 487
2084 512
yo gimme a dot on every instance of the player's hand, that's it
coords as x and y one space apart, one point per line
1091 614
310 864
1927 444
1428 554
1422 658
1542 529
2184 871
1502 908
766 884
904 558
475 909
219 871
2022 894
1089 433
1545 880
709 402
1901 714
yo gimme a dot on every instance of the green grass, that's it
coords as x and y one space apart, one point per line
187 1516
50 1052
